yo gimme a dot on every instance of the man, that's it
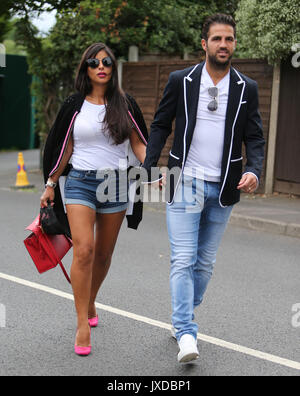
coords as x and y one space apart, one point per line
216 109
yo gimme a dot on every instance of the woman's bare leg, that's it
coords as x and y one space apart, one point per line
107 231
82 220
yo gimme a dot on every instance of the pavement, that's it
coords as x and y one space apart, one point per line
248 325
276 213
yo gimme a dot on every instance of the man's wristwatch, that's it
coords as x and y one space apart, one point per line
50 183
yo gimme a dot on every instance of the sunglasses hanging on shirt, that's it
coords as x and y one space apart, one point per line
93 63
213 92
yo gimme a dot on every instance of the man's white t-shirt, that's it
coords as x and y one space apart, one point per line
205 155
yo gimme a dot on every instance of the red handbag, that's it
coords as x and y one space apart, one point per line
46 251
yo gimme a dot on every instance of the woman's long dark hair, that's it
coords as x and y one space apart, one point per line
116 118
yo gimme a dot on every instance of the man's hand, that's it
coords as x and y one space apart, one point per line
160 183
248 183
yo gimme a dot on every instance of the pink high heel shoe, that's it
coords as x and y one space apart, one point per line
93 322
82 351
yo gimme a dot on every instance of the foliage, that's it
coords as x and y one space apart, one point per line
171 26
268 29
9 41
5 26
25 6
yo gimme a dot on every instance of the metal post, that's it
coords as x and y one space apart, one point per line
32 120
120 71
133 53
271 152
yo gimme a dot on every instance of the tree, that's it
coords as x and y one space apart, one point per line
171 26
268 29
5 25
53 59
9 40
26 6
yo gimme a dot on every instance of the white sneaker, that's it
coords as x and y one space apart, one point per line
188 349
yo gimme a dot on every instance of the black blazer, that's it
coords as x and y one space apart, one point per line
243 124
57 141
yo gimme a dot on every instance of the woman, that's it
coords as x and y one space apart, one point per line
96 130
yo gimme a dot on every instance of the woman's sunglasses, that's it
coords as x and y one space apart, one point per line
93 63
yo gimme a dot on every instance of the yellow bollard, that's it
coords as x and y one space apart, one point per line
22 180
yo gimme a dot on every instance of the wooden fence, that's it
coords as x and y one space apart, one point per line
287 169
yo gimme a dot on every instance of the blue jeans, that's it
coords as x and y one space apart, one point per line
196 223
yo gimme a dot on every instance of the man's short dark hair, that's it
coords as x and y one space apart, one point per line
223 19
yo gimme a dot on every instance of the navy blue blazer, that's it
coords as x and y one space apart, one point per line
243 124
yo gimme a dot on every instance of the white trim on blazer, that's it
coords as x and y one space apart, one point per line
241 81
186 128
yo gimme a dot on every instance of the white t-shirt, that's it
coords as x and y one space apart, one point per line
94 149
206 151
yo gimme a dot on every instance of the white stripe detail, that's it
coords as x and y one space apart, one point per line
236 160
232 135
152 182
174 156
185 131
188 77
202 337
241 80
64 145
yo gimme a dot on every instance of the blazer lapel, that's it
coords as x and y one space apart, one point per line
236 89
192 92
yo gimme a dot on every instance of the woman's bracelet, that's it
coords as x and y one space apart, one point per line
50 183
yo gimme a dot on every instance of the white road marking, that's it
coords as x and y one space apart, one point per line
211 340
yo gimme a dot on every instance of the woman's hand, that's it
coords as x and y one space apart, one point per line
48 196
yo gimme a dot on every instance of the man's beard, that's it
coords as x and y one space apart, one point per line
218 64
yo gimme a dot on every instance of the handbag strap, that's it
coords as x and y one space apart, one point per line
57 259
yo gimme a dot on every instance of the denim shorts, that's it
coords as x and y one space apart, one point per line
103 191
